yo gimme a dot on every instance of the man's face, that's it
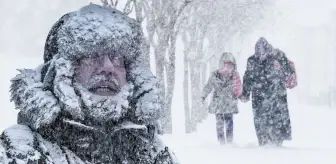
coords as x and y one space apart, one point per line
227 67
101 75
261 49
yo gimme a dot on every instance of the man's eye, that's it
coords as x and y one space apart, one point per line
86 62
90 61
117 61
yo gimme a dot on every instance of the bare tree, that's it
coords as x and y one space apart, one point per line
162 16
195 20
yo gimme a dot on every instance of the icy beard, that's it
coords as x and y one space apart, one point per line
102 109
112 86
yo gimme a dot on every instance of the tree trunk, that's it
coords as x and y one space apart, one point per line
198 80
204 110
170 81
163 71
186 93
195 94
159 65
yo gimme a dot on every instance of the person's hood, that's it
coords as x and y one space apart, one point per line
42 93
227 57
262 42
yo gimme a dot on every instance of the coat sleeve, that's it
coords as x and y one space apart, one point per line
18 145
209 86
3 157
289 70
291 81
286 65
248 79
237 86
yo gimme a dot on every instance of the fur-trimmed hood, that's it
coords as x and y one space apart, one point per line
42 94
227 57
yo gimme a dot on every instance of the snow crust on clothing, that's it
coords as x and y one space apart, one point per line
20 141
21 145
42 95
31 98
105 29
54 118
25 146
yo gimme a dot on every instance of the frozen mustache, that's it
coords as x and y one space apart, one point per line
103 80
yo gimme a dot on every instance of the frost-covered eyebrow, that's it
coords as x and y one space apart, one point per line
98 56
110 54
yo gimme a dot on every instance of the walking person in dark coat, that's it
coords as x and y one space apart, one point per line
267 76
226 84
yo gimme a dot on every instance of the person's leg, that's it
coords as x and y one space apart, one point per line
262 137
277 120
278 142
228 118
220 128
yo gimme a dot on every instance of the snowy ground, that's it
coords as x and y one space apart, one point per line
314 141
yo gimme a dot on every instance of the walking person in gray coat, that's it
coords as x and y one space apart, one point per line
226 86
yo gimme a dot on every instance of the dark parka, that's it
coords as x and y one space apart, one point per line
266 80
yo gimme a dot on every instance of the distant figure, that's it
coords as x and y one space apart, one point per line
267 76
226 84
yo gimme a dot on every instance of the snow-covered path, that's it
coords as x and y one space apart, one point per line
314 141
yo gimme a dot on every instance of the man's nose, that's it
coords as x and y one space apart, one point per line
106 67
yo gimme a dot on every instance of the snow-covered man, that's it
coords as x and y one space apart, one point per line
93 100
268 74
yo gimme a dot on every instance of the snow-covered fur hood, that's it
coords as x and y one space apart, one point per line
43 93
